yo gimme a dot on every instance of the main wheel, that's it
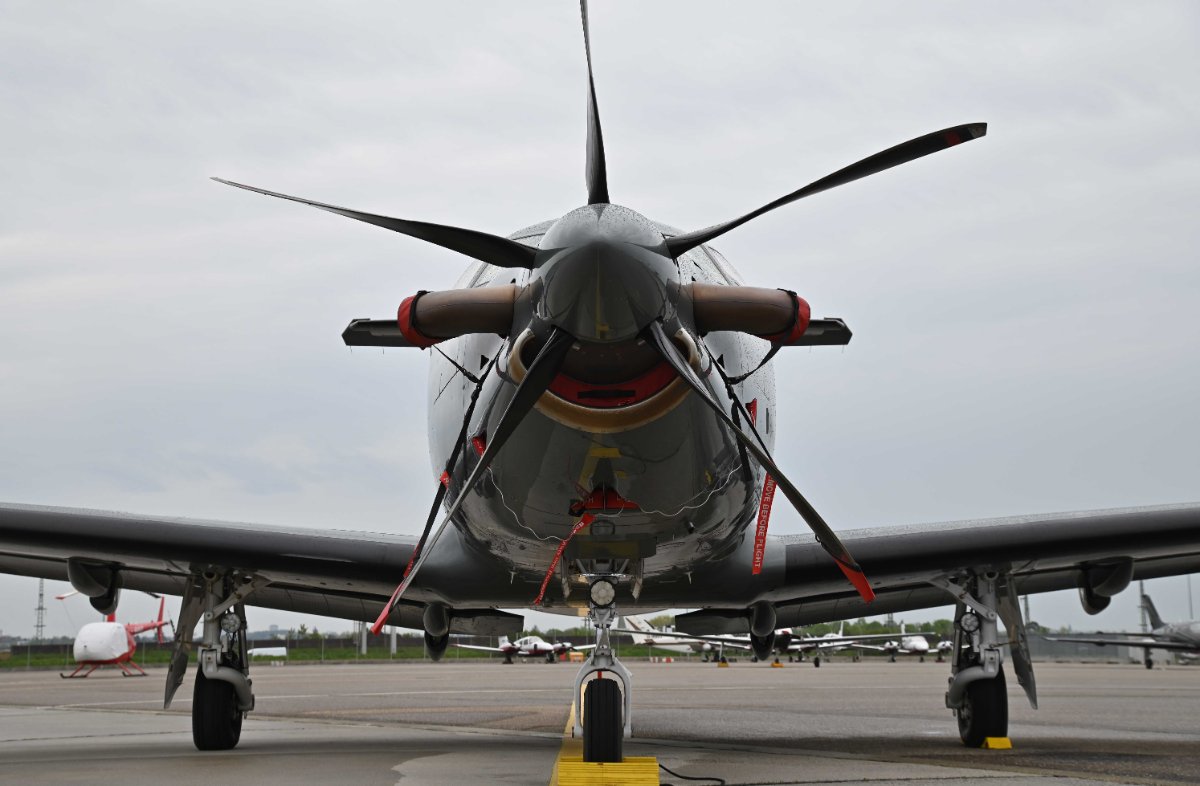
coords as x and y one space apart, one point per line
216 721
1149 662
603 728
984 712
817 662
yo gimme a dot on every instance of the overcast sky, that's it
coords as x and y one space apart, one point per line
1024 307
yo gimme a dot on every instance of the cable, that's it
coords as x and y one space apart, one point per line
663 767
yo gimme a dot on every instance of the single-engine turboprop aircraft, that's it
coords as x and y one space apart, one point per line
602 419
111 643
1180 637
527 647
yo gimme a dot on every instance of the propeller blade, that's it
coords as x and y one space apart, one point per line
537 380
494 250
893 156
825 536
596 170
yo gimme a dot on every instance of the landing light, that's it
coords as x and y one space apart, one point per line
602 592
970 622
231 623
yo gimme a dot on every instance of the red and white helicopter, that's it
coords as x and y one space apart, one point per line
111 643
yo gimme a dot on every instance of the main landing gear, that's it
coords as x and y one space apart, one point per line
604 705
221 696
978 691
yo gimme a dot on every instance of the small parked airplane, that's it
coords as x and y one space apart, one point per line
528 647
1182 637
643 633
908 644
111 643
785 641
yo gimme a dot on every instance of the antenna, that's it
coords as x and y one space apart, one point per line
39 627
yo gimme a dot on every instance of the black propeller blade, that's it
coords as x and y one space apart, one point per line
596 170
537 380
494 250
825 536
893 156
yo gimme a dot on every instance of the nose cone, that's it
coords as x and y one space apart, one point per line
605 274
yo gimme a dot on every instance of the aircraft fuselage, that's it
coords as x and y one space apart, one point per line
666 483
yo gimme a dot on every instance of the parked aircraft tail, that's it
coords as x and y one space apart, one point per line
1152 613
639 624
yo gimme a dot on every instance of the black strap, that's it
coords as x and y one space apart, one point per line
465 373
454 453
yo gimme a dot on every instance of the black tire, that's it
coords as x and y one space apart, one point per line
216 721
1149 662
984 712
817 662
603 729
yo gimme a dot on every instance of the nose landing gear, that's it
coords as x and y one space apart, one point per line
604 706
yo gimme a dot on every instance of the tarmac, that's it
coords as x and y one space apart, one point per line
419 724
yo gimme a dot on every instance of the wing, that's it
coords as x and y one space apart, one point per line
728 641
1121 640
822 641
327 572
477 647
1044 553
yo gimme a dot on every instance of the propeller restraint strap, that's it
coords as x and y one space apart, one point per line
584 520
440 496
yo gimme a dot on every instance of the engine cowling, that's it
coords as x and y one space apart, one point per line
763 647
777 315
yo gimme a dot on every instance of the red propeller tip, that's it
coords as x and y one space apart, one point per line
859 580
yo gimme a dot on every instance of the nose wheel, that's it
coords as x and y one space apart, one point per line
603 695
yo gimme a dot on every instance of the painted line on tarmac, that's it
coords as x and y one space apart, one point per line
385 694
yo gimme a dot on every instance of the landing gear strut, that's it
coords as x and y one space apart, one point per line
978 693
222 694
603 716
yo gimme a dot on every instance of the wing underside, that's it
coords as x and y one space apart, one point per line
349 575
909 565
